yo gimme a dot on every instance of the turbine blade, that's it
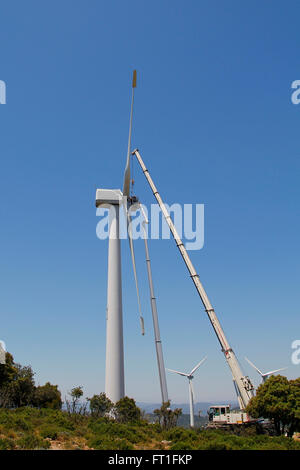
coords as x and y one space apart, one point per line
126 180
177 372
198 365
134 271
273 371
251 364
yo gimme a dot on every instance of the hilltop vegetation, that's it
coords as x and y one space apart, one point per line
31 428
183 420
31 417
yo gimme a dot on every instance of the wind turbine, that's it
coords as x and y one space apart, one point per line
191 391
113 199
264 375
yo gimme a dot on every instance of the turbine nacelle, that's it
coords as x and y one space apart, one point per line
108 197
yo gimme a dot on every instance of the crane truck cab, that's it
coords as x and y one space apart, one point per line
221 415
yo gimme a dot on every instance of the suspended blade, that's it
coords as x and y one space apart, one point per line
126 180
134 270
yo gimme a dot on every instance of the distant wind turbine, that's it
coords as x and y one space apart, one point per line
191 391
264 375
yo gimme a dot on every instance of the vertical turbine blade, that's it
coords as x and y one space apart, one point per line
126 181
126 193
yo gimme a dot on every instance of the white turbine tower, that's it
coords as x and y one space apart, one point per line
191 391
264 375
113 199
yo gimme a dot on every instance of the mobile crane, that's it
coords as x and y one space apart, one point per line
219 415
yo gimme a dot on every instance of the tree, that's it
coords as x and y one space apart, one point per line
75 407
294 403
126 411
7 370
47 396
166 417
16 384
75 394
100 405
17 387
278 400
23 386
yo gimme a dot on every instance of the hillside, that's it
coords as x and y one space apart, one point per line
198 406
183 420
30 428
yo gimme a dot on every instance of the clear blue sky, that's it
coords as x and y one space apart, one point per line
215 124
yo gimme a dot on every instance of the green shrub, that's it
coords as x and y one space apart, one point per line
7 444
216 446
182 445
28 428
62 420
112 429
110 444
156 427
49 431
181 434
126 411
21 424
31 441
47 396
100 405
7 418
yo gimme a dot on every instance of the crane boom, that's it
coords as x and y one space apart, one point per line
243 385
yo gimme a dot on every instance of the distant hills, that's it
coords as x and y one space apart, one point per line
203 406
